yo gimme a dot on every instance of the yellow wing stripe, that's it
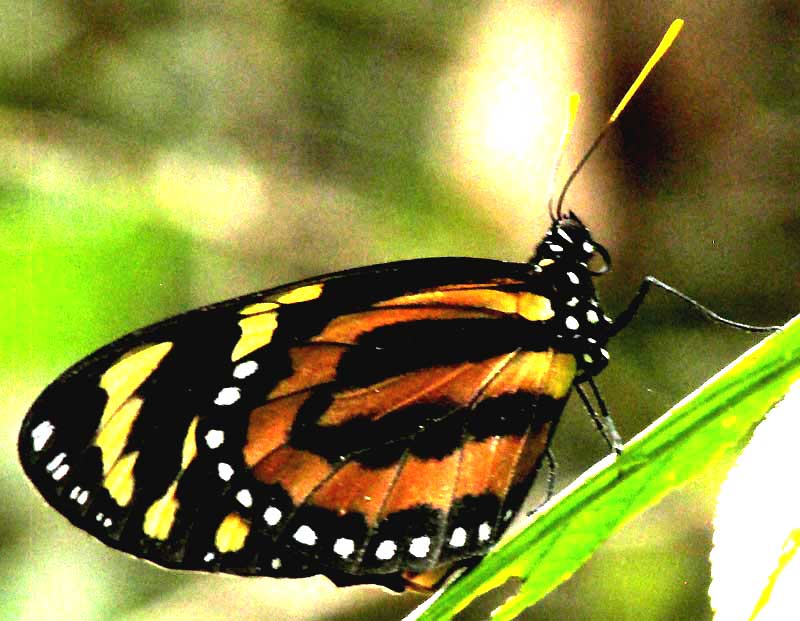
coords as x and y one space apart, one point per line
231 533
529 305
113 436
119 481
257 331
189 445
160 516
259 307
122 379
301 294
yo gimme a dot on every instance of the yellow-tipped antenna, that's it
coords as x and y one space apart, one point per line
666 42
572 113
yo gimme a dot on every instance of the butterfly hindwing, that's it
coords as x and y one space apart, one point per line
362 424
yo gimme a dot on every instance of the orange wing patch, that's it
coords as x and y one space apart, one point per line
547 373
457 384
356 488
348 328
535 445
298 472
420 481
269 426
312 364
487 465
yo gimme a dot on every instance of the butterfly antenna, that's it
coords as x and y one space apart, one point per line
572 113
666 42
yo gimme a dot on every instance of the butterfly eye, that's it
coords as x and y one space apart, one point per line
599 260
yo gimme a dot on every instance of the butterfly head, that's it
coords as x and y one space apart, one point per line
569 243
568 259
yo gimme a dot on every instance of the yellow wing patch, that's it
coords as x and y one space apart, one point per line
160 516
534 307
529 305
113 436
119 481
257 331
259 307
231 533
189 445
122 379
301 294
261 319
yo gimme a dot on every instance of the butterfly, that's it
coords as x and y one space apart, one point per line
380 425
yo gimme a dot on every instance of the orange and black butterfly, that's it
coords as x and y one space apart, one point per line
370 425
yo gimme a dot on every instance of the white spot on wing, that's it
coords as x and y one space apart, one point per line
60 472
272 516
55 462
484 532
458 538
573 278
245 369
588 248
83 497
228 396
592 316
420 546
563 234
215 438
107 522
344 547
573 301
386 550
208 557
305 535
225 471
276 564
556 248
245 498
41 434
572 323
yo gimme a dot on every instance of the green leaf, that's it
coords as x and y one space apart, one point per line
709 425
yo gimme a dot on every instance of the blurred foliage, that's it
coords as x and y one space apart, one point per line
161 155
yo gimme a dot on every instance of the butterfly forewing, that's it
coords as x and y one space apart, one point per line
363 424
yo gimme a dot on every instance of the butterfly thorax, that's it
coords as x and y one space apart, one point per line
579 324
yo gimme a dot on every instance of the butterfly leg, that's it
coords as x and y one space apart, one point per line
628 314
603 421
550 488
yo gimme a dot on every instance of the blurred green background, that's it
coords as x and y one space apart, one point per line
157 156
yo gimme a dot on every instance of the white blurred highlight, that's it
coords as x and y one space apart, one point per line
757 511
506 109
